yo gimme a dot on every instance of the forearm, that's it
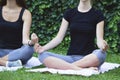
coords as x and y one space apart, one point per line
27 19
58 39
100 35
100 31
100 38
27 42
101 43
52 44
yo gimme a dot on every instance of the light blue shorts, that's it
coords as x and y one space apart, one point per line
72 58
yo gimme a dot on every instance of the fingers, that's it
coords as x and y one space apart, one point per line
36 47
34 38
105 46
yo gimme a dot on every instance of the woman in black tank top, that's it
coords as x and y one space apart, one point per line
15 21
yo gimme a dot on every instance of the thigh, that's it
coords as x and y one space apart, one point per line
4 52
92 60
44 55
24 53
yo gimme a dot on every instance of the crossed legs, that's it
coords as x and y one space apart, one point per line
24 54
67 62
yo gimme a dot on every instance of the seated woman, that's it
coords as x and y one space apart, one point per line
85 23
15 21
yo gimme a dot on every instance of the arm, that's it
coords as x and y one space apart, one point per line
57 40
27 19
101 43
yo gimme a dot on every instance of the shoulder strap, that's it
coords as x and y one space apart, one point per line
21 14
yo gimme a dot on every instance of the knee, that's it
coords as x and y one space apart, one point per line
43 55
101 55
27 53
28 49
100 52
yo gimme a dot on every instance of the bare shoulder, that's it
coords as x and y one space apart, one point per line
26 14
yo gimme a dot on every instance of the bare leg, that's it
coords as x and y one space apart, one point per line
3 60
52 62
90 60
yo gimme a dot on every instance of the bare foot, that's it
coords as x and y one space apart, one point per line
36 47
93 68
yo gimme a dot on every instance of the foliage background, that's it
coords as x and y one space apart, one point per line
47 15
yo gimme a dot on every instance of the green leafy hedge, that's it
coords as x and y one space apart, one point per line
111 9
47 15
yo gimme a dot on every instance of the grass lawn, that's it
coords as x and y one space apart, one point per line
22 75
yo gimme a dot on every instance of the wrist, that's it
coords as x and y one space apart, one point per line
30 43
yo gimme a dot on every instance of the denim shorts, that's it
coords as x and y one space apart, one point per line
101 55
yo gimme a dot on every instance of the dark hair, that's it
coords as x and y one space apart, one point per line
20 3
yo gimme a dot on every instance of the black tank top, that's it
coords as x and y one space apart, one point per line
11 32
